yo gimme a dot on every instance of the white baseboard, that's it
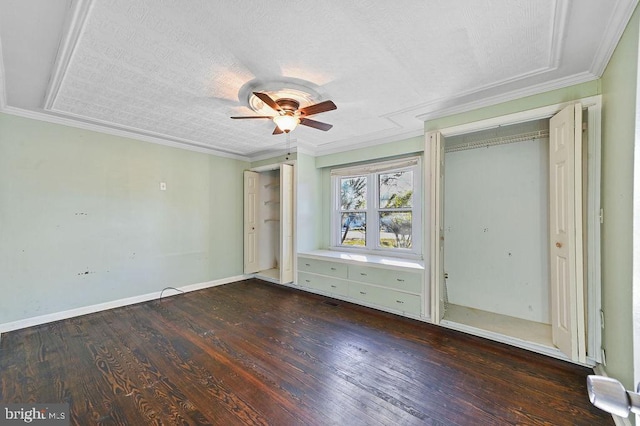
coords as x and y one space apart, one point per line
57 316
619 421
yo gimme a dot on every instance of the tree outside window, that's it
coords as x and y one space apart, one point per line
353 204
377 210
395 209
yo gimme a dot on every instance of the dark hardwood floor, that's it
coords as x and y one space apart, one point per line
257 353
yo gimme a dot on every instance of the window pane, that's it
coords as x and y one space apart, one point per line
396 189
395 229
353 193
353 230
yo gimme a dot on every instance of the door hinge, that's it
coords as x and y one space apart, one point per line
601 215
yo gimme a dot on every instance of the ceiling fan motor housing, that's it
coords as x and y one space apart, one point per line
287 104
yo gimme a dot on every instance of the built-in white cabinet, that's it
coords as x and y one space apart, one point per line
268 223
394 288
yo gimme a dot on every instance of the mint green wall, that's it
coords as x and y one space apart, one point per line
619 83
309 204
83 220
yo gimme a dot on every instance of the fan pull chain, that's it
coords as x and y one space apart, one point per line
288 145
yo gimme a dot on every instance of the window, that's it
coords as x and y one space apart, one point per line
377 207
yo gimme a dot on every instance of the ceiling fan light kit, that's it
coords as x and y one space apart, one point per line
286 122
289 114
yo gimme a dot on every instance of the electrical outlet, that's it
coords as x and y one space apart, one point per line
163 186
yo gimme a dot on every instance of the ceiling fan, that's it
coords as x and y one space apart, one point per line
290 114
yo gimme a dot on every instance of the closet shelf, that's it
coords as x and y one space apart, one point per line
501 140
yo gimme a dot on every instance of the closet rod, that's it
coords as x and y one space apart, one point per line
485 143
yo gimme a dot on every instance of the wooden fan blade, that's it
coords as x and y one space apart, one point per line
251 116
318 108
315 124
277 131
267 100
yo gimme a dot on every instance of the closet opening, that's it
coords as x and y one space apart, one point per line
268 223
496 204
515 229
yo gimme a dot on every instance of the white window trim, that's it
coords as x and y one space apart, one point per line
373 243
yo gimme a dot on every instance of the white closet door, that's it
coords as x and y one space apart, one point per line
565 226
251 182
436 189
286 223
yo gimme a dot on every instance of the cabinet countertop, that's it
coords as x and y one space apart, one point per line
377 260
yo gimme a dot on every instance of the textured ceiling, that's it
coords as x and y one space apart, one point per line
175 71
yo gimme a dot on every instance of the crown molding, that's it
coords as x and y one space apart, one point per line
280 152
622 12
73 29
305 150
338 147
461 108
55 119
506 97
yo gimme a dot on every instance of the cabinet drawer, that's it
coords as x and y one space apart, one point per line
363 292
323 283
322 267
391 278
404 302
396 300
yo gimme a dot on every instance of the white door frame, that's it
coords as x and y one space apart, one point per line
635 277
593 105
434 186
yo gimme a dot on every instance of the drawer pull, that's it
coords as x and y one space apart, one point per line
308 281
399 301
333 286
333 269
363 292
363 274
307 264
400 279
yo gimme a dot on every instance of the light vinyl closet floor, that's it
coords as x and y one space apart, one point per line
529 331
273 273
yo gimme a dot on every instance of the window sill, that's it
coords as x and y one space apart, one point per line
349 257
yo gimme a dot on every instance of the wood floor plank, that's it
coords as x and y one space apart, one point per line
256 353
